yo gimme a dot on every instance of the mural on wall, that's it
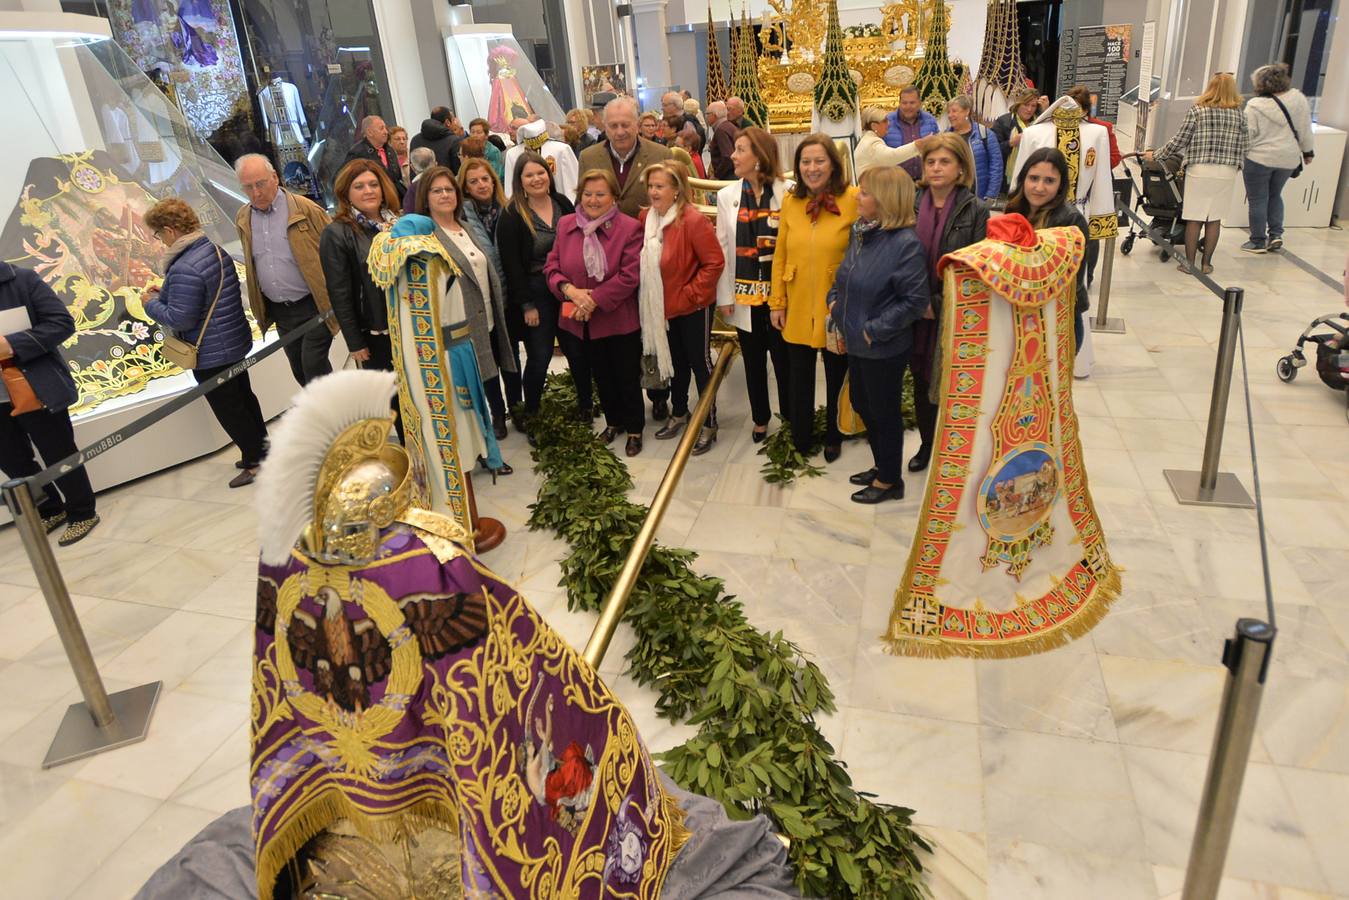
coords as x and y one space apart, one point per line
194 45
80 227
599 79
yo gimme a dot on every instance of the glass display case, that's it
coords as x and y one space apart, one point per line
93 144
493 79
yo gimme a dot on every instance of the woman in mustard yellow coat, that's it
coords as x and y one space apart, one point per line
816 222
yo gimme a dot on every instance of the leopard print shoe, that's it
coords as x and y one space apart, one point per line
53 522
77 531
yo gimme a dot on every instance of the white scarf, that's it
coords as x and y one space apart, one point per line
651 295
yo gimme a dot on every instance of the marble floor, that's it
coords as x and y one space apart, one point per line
1074 774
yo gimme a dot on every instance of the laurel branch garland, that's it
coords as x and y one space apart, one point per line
754 697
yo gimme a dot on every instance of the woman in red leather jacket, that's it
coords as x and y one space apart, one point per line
681 264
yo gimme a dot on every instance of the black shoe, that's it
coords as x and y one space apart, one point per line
920 460
242 464
634 445
607 435
872 494
660 410
54 521
832 452
862 479
759 437
706 438
672 427
500 430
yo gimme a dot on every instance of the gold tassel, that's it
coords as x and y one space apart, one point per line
331 805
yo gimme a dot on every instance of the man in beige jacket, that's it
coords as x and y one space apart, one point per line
625 153
280 233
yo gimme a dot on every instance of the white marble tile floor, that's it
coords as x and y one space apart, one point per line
1071 774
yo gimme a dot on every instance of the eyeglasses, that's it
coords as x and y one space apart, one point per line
442 192
253 187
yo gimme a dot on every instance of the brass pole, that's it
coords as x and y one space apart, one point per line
617 601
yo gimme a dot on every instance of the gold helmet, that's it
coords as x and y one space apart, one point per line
364 483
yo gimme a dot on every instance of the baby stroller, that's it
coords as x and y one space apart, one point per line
1332 354
1161 196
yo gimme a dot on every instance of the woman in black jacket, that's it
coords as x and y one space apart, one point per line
366 205
949 217
1042 197
33 325
525 234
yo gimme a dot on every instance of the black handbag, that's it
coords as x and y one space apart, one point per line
1291 127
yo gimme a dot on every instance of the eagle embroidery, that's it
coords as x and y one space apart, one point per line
346 655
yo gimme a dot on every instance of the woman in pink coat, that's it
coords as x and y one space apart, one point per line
593 268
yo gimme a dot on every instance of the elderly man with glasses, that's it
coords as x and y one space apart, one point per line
280 233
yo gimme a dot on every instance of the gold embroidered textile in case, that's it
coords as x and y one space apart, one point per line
1008 558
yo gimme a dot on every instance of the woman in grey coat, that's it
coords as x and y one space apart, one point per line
483 290
483 201
1279 122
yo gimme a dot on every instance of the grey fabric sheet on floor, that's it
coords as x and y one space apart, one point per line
723 860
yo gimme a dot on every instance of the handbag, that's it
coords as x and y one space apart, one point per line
180 352
651 380
1291 127
21 395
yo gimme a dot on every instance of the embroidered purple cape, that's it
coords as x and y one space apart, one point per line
420 687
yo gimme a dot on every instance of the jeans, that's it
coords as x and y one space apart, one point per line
757 345
876 396
1264 200
539 349
309 355
236 408
51 432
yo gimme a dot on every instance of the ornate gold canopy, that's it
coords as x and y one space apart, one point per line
882 59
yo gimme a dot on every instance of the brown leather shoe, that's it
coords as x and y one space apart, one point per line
244 478
607 435
634 445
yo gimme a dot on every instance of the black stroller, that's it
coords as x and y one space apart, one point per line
1161 196
1332 354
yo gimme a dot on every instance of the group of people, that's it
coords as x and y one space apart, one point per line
1268 139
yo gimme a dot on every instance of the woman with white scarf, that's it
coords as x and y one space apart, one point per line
681 265
593 268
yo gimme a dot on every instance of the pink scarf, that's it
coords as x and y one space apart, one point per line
592 251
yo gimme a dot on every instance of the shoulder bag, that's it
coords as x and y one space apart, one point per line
180 352
1293 128
21 396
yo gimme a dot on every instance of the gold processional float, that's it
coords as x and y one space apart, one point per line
777 71
786 59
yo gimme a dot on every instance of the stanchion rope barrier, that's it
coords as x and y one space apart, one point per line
112 439
1154 234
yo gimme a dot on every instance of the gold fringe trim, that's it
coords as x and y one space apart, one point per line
330 806
1093 610
677 817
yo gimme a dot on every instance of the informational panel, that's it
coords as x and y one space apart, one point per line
1146 63
1102 63
610 78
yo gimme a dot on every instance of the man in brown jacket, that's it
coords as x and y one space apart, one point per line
624 153
280 233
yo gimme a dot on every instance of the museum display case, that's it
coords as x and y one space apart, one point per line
493 79
92 143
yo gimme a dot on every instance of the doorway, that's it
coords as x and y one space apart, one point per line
1038 25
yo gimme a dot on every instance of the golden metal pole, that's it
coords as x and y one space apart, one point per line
617 601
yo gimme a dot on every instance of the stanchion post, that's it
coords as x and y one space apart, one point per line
1208 486
101 722
1103 324
1246 657
614 604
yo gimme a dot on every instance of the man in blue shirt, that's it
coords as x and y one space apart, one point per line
907 124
